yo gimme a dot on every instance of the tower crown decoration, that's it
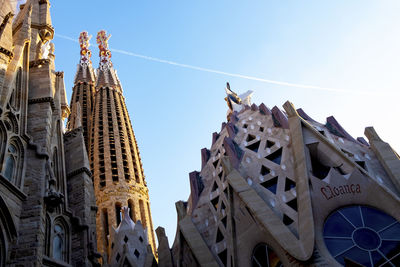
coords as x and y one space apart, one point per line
84 39
237 102
104 53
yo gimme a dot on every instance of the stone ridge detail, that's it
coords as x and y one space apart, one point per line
39 62
43 100
78 171
7 53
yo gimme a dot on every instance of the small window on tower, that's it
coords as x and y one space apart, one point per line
118 213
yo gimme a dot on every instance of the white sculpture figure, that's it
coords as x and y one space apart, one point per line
235 102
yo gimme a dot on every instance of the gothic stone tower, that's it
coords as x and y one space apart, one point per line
114 155
83 91
47 205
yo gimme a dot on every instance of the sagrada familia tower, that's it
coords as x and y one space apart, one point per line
65 189
98 106
276 188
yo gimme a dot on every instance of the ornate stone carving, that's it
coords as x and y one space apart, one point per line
39 62
6 52
52 198
105 53
43 100
86 54
5 21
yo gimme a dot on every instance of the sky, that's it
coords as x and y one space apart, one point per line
349 47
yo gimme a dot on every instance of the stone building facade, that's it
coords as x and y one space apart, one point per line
277 188
55 183
47 199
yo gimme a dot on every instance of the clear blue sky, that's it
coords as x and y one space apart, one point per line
351 45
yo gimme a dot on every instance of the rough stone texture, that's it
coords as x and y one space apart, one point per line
37 195
164 253
386 155
273 194
81 199
115 161
128 243
83 93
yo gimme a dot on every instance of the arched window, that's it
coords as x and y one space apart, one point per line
47 236
131 210
11 162
364 235
8 232
118 213
12 166
142 213
55 166
59 242
16 94
105 226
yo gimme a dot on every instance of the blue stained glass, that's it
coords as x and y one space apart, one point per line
363 237
366 238
9 170
340 259
58 242
338 226
12 149
358 255
392 232
353 214
336 246
377 258
376 219
390 248
57 248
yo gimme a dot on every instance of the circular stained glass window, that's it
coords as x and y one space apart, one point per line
263 256
363 235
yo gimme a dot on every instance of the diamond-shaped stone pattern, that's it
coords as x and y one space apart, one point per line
268 164
214 224
219 206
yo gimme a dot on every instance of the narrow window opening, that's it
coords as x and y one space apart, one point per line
105 225
118 214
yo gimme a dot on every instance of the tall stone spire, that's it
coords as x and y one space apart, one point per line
114 154
107 75
85 71
83 90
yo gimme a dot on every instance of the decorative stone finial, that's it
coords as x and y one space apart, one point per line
105 53
84 39
371 134
235 102
231 98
